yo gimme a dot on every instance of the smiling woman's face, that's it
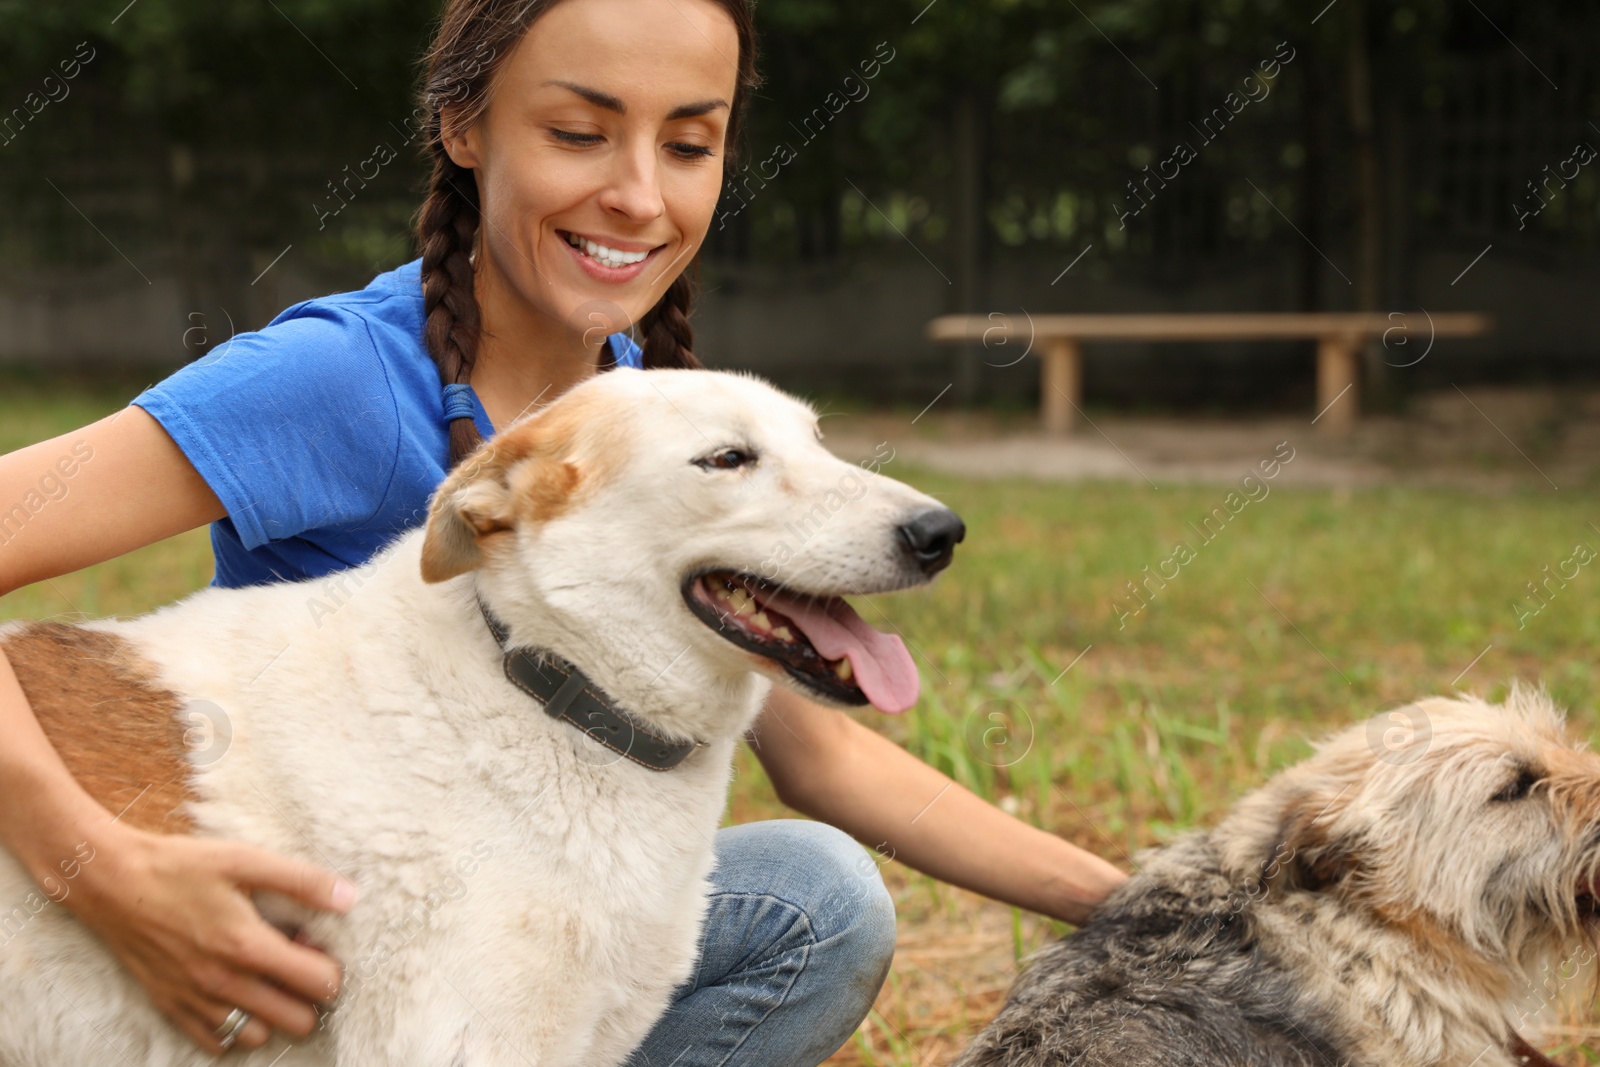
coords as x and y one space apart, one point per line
599 155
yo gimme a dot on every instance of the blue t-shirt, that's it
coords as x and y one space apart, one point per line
323 434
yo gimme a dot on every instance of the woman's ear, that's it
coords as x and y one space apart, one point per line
460 144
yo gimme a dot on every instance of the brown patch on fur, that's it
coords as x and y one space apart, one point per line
531 473
582 444
542 491
117 731
1308 857
468 507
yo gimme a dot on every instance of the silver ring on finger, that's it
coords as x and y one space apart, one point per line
228 1032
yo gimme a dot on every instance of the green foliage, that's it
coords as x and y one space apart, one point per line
205 135
201 131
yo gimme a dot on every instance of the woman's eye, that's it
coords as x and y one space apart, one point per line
573 137
689 151
727 459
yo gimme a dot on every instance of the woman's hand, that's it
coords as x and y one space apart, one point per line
177 912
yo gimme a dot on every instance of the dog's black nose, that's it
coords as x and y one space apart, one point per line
932 536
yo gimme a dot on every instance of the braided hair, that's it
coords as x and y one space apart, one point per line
473 38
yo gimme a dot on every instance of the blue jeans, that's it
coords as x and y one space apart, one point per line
798 940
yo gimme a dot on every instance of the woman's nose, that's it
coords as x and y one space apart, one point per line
633 187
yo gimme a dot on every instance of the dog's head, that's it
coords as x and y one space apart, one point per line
1472 826
667 530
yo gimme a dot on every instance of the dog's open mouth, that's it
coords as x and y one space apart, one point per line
819 640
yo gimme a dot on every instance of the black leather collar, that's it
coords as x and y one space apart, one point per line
567 693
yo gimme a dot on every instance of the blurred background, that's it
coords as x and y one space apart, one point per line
176 171
904 159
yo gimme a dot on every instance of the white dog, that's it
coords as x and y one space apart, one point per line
530 892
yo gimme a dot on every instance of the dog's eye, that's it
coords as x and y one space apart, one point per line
726 459
1518 788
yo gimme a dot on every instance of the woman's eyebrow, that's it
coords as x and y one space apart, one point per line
689 111
611 103
595 97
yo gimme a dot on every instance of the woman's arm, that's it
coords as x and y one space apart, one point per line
828 766
175 910
95 493
78 499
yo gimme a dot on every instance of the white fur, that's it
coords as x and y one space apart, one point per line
527 898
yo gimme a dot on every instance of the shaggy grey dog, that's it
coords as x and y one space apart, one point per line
1387 903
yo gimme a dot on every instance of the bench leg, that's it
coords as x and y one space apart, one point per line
1061 384
1338 395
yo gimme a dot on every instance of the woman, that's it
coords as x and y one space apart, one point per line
578 151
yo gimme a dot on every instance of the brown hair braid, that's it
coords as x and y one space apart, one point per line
668 337
473 38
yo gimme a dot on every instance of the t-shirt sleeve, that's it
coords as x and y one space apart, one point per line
294 427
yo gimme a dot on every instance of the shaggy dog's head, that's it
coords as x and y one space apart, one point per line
1472 828
685 533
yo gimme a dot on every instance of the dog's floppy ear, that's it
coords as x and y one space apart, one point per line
1309 854
529 473
518 476
473 503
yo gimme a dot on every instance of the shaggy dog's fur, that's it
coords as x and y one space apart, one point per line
527 896
1385 903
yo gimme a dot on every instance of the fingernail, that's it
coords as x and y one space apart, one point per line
344 894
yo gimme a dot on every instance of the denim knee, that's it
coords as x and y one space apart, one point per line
843 895
799 940
835 883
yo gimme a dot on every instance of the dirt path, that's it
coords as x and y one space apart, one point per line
1493 440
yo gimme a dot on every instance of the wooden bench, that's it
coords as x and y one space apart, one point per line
1340 337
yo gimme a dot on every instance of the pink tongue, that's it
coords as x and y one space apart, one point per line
880 662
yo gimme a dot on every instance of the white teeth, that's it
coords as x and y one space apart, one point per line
783 633
760 621
609 257
743 603
844 670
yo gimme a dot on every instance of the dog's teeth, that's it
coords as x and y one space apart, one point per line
742 602
844 670
760 621
783 633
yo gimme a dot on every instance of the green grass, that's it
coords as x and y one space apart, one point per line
1308 609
